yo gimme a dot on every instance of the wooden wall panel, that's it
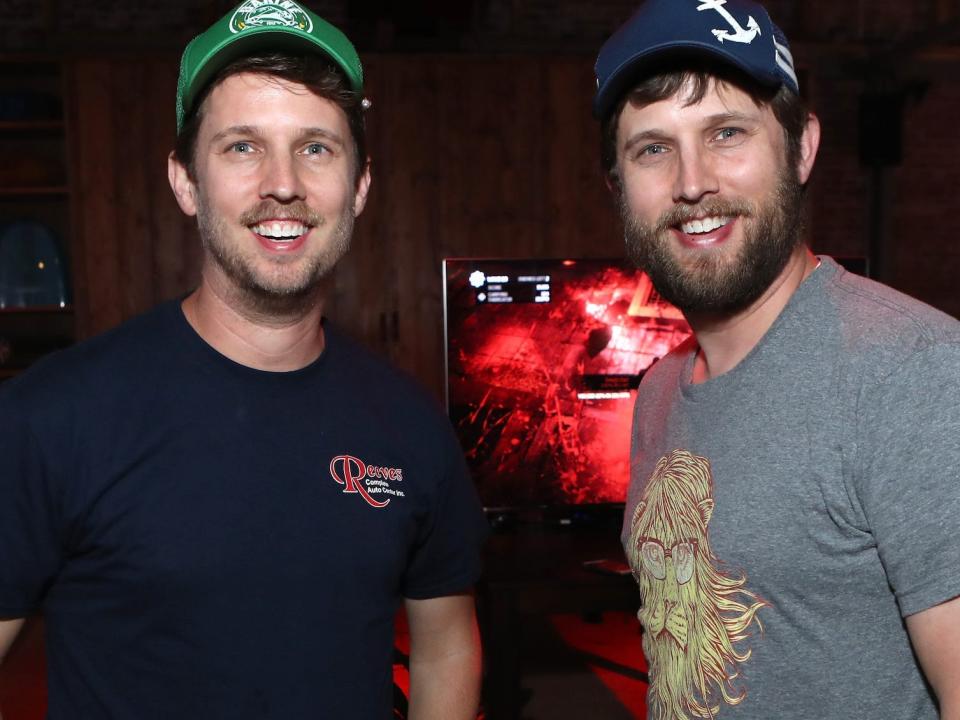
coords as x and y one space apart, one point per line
134 247
485 157
132 131
96 268
582 213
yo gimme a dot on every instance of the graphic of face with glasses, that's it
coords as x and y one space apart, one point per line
694 650
654 557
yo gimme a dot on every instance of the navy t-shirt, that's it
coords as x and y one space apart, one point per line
206 540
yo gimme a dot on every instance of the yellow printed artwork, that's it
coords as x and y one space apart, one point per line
695 617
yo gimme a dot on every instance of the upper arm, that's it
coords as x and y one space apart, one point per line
935 634
442 626
447 550
445 659
31 530
905 478
8 632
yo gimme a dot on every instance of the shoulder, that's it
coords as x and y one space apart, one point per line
96 367
669 368
658 388
376 382
872 309
881 330
386 412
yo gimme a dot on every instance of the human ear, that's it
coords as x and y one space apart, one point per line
183 186
363 187
809 144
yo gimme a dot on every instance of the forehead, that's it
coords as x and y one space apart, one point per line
269 103
682 109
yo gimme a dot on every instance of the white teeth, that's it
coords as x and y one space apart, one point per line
280 231
704 225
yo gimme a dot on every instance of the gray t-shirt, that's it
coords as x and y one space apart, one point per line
784 517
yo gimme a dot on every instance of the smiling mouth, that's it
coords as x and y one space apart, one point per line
701 226
281 231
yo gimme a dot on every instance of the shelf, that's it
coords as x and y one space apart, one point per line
37 310
36 323
34 188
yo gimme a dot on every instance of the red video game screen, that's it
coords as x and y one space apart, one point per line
543 361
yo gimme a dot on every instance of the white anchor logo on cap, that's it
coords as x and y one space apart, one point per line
740 34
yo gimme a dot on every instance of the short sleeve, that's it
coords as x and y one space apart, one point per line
909 475
29 540
447 557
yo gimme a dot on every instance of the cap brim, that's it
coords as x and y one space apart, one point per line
620 80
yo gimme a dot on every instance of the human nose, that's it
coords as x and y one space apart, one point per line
695 177
281 179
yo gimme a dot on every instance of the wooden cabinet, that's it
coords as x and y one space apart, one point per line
36 308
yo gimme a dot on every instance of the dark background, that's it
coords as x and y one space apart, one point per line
483 145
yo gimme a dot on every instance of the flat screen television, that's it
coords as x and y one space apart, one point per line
543 358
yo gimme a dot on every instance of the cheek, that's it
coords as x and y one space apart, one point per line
753 177
223 204
223 188
645 200
331 194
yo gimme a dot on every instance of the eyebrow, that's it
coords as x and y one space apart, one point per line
652 134
724 118
731 117
257 132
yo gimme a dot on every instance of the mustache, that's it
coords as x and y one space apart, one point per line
297 211
709 208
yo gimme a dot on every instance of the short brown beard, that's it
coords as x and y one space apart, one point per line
258 297
714 284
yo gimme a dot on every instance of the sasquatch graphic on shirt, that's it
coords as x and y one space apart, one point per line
696 617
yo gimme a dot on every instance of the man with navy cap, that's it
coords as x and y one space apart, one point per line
220 506
794 506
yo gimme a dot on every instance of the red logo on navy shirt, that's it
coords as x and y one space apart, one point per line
367 480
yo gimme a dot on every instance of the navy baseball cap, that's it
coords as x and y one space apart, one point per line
737 32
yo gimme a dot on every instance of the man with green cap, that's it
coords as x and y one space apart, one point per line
220 506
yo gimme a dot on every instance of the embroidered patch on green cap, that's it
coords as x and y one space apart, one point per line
261 25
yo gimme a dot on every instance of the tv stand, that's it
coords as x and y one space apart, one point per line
537 568
599 517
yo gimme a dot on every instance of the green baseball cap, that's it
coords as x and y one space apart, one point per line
257 25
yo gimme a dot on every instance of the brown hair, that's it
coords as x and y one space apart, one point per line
317 73
788 107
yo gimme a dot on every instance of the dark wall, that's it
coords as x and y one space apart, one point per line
477 155
483 145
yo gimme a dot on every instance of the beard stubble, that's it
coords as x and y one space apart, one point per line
280 290
713 282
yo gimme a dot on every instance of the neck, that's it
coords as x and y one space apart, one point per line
726 340
277 344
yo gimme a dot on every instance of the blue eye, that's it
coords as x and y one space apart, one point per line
316 149
728 133
241 147
653 150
